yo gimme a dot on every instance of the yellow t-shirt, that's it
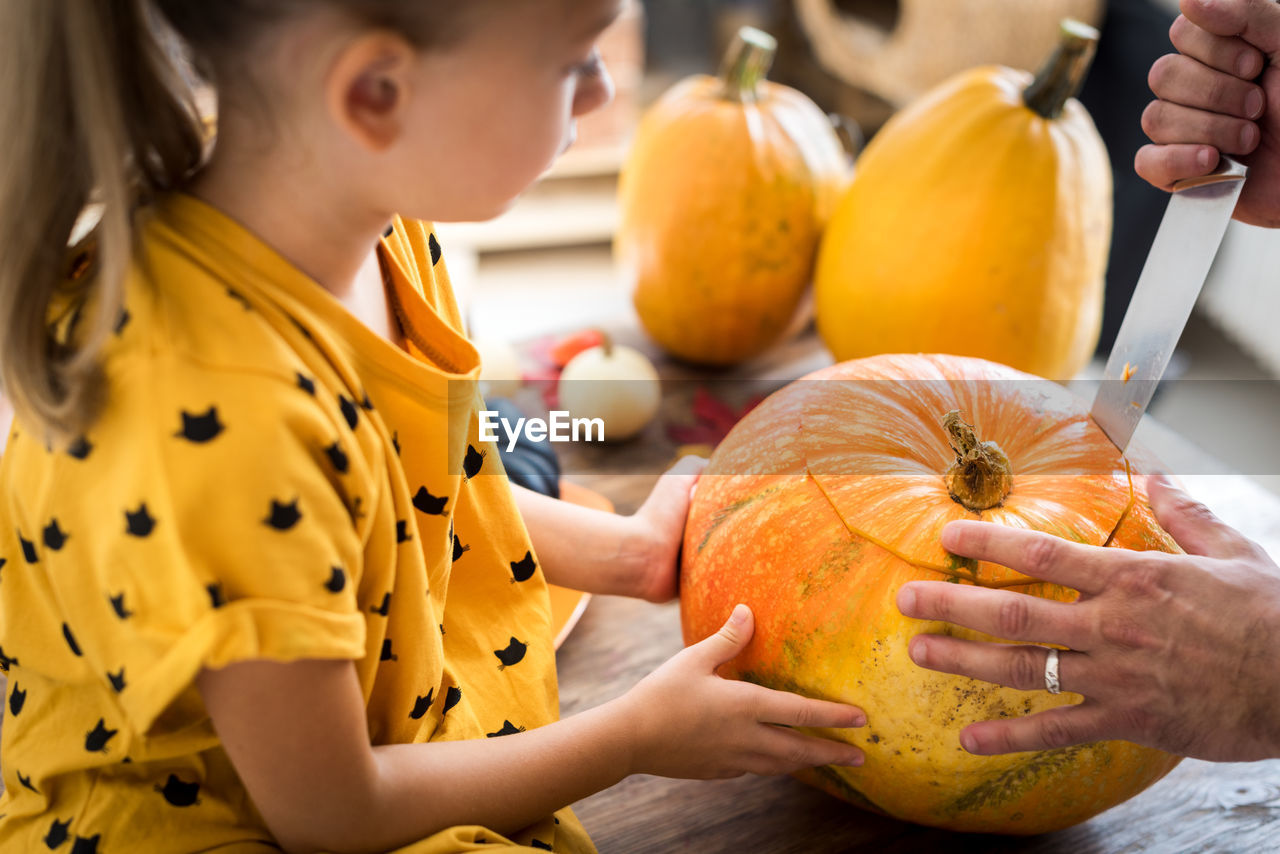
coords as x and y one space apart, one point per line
268 479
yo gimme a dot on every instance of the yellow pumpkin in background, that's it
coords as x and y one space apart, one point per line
978 224
723 196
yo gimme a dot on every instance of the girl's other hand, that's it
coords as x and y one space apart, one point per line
690 723
658 529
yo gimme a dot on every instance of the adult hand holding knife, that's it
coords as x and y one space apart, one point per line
1179 261
1170 651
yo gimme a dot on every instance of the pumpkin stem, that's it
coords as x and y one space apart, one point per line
981 477
746 63
1062 75
606 343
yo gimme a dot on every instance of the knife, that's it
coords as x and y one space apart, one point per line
1175 270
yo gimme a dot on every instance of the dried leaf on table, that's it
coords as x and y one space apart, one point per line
713 419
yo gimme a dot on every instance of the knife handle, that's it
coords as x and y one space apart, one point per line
1229 169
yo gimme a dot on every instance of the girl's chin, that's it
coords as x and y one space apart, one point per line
476 212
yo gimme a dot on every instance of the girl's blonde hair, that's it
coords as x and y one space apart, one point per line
99 115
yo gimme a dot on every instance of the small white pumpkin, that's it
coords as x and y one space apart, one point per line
616 384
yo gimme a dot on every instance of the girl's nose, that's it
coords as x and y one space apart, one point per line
593 92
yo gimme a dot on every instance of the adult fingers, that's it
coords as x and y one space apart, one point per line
1164 123
1021 667
1226 53
1034 553
1180 80
1001 613
1163 166
1059 727
1193 525
781 751
782 707
1255 21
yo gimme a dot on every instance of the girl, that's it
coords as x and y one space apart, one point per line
261 586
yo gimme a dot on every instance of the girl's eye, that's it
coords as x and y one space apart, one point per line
591 67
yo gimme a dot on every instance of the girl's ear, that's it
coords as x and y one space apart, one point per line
367 88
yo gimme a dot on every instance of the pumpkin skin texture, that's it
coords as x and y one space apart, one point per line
828 497
723 198
974 226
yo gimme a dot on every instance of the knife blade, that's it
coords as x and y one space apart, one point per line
1181 254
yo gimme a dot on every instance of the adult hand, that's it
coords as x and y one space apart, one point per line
1171 651
1219 94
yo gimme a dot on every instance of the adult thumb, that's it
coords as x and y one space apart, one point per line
729 641
1255 21
1193 525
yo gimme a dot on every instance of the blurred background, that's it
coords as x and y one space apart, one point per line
546 267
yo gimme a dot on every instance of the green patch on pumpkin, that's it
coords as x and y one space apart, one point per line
1016 782
836 561
725 512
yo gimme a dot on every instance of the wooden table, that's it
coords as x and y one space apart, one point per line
1200 806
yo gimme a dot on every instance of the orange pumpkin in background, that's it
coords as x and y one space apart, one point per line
723 197
979 224
832 494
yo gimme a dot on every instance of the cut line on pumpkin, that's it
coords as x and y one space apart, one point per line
1128 473
878 542
942 570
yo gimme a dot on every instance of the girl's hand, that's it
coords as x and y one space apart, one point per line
657 530
687 722
1219 94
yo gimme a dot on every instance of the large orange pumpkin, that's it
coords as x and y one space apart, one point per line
832 494
723 197
978 223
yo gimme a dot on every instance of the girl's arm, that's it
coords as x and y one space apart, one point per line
599 552
298 737
586 549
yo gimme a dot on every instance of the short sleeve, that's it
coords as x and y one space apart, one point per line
225 525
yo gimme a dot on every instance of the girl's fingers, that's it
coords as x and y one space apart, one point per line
1180 80
689 464
1059 727
787 709
1020 667
1033 553
1000 613
1167 123
782 751
1228 54
1164 165
731 639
